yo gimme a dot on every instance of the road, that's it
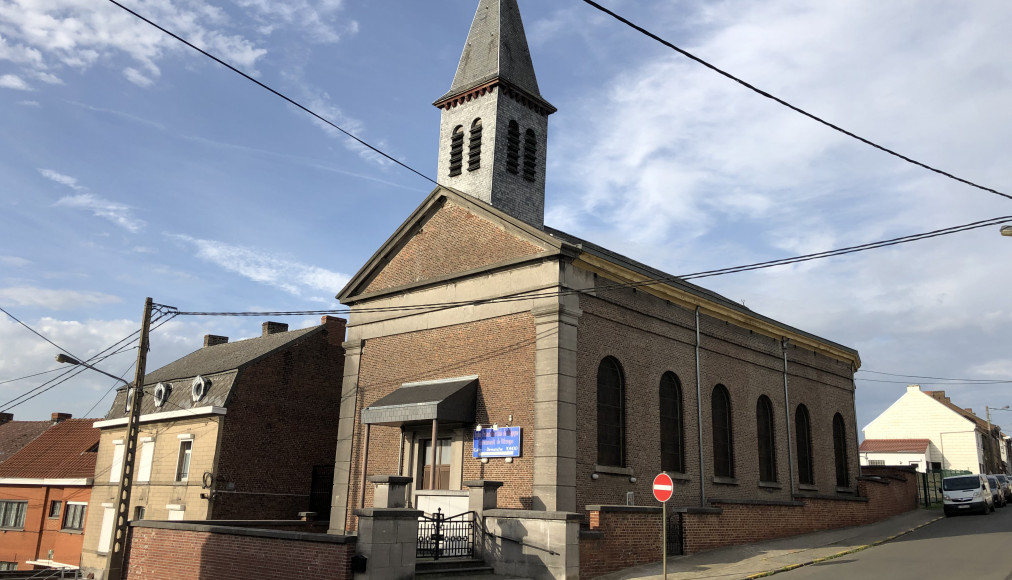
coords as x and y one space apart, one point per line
972 546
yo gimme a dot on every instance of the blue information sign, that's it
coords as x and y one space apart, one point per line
501 442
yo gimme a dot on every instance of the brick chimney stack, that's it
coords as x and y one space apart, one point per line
6 418
274 328
61 417
214 340
335 329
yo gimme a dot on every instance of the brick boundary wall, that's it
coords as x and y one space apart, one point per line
173 550
620 537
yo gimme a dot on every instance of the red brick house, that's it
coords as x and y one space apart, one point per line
45 491
476 314
239 430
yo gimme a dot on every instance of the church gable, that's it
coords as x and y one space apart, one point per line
452 240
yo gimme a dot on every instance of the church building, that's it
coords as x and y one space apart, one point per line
484 344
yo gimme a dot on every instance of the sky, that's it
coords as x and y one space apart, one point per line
132 166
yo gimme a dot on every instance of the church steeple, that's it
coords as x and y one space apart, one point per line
494 128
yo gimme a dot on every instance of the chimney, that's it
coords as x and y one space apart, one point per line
61 417
969 410
214 340
334 329
6 418
913 388
274 328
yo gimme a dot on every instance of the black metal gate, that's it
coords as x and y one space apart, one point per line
675 533
440 536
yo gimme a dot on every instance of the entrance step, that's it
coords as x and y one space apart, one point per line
455 568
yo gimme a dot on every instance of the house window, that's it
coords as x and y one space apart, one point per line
530 155
672 425
105 534
55 507
513 148
936 466
456 151
723 442
12 514
767 440
147 459
443 457
183 465
139 513
116 470
8 566
74 520
840 451
803 434
474 147
876 462
610 414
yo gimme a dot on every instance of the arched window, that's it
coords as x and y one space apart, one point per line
803 433
457 151
723 443
513 148
610 414
840 450
474 147
530 155
767 439
672 425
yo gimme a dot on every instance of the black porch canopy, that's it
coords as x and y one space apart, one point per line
445 400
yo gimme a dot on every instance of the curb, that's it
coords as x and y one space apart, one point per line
841 554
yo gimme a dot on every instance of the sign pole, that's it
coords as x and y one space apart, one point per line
664 538
663 489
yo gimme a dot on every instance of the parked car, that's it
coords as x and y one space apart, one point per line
1006 485
967 493
996 491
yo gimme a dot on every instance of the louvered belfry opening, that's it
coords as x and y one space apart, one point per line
513 148
530 155
474 147
457 152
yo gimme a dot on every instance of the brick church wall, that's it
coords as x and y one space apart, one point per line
499 350
649 337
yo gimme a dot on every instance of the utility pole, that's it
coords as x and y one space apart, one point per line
114 561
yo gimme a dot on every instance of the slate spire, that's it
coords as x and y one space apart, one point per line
496 49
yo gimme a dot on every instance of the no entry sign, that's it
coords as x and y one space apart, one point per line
663 487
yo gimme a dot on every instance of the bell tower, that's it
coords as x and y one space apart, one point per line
493 133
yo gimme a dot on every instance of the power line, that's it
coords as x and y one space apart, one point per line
76 370
982 381
647 282
30 376
277 93
789 105
36 333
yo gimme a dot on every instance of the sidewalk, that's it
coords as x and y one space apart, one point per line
754 560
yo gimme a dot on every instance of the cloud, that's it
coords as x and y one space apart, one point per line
315 19
14 82
67 180
13 261
29 103
54 299
44 35
277 271
117 213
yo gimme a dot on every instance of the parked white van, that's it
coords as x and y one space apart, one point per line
967 493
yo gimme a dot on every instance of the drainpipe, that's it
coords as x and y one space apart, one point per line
365 464
787 411
699 416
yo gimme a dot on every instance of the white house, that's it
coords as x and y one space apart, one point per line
957 439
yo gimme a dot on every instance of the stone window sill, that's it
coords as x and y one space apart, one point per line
847 490
612 470
678 476
726 480
770 485
807 487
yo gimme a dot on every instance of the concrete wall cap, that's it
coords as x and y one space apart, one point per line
532 515
629 509
253 532
388 513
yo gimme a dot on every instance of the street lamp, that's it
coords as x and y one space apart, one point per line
62 358
1006 231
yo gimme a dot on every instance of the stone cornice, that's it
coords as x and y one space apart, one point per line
489 87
